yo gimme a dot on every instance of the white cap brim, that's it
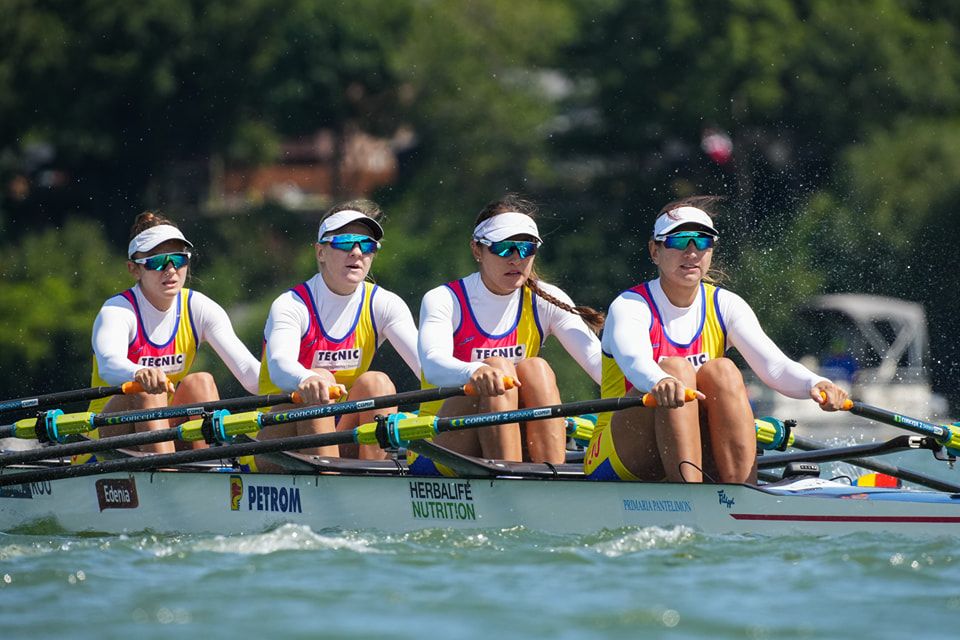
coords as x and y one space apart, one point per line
342 218
506 225
150 238
682 216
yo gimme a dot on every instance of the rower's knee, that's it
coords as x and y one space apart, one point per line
720 377
503 365
200 382
536 370
371 384
680 368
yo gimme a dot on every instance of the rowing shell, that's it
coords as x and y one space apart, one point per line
211 502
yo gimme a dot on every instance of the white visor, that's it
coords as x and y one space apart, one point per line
681 216
342 218
150 238
506 225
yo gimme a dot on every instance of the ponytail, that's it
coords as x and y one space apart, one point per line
591 316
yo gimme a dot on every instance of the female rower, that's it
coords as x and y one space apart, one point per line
491 324
324 331
150 332
671 333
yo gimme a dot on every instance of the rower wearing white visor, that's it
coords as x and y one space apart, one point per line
325 331
672 334
491 324
150 333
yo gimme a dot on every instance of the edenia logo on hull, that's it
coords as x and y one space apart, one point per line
264 498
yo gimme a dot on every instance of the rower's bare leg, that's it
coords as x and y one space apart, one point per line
135 402
370 384
678 430
635 439
464 441
195 387
733 440
501 442
544 440
301 428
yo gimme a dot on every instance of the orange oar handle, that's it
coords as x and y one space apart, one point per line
650 401
335 392
135 387
508 383
846 406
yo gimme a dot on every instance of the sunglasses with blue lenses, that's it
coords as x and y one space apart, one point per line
682 240
347 241
503 248
160 261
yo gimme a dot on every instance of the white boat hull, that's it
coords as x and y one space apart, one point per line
225 503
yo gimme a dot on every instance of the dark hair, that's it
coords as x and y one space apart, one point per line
707 204
368 208
149 219
513 202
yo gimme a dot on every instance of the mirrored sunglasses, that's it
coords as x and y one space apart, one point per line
347 241
682 240
503 248
160 261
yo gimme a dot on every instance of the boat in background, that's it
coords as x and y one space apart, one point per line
875 347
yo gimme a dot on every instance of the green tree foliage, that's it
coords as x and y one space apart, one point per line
841 114
52 285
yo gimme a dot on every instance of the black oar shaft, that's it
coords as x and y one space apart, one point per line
940 432
832 454
538 413
159 460
188 410
266 419
89 446
60 397
356 406
872 464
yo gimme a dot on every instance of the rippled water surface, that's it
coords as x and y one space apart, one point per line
296 583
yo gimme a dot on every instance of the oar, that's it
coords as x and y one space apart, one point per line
394 430
217 412
56 426
945 434
845 454
63 397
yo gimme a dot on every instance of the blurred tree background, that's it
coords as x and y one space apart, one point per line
831 128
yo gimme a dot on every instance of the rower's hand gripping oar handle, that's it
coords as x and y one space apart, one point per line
650 402
508 383
130 388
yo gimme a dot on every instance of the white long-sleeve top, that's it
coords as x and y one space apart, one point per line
289 319
440 316
116 327
626 336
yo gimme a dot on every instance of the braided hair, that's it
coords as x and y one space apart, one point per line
513 202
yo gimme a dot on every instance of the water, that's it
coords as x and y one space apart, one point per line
296 583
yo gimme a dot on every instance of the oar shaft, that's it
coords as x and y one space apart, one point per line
545 413
356 406
159 460
944 434
880 466
88 446
187 410
63 397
